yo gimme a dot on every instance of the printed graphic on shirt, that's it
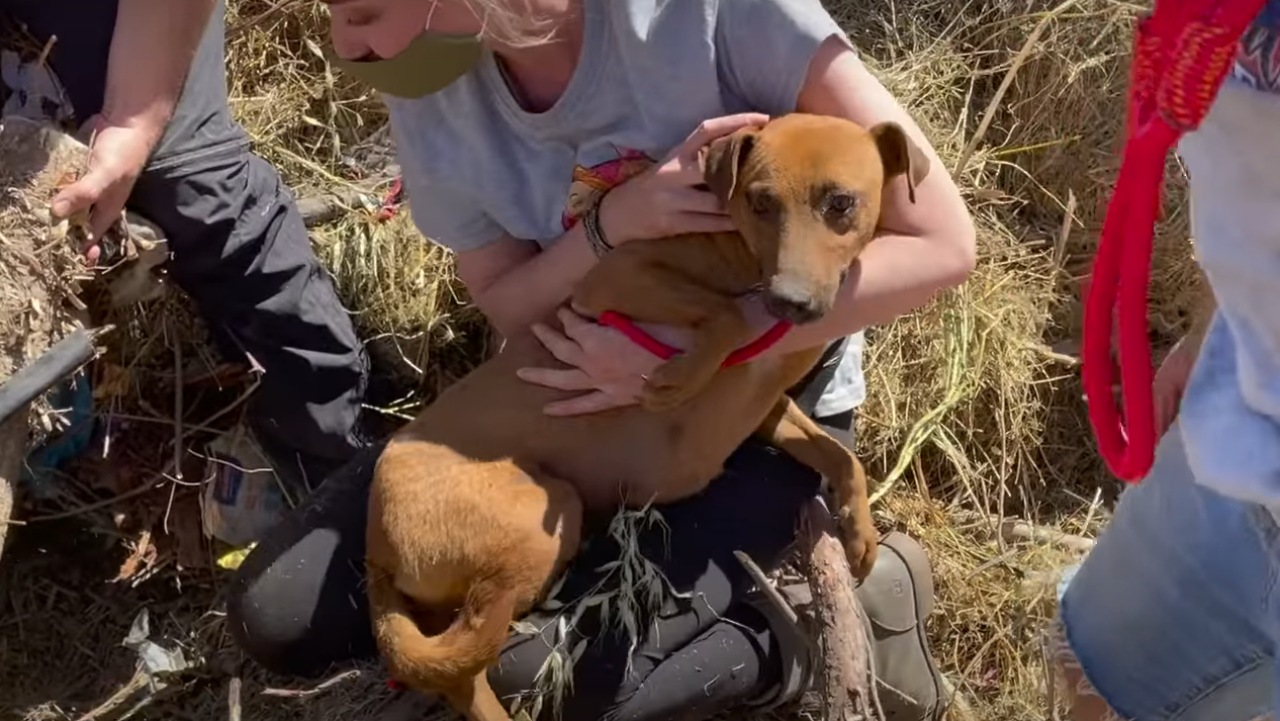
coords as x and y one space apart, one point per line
1258 60
588 184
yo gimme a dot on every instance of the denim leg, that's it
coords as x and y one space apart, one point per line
1168 616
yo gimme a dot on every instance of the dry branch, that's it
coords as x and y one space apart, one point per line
1012 529
13 442
844 676
324 208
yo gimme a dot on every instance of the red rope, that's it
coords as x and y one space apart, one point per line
1182 53
665 352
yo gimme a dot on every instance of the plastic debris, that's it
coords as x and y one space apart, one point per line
242 497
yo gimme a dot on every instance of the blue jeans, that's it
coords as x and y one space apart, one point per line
1173 614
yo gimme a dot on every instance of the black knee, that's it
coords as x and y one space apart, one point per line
268 634
276 618
297 605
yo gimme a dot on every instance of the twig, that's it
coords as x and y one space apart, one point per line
13 441
119 698
154 482
177 405
43 58
1011 529
1014 529
233 699
320 209
307 692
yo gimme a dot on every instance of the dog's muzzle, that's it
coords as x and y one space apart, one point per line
794 302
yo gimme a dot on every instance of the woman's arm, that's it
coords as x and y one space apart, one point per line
515 284
922 247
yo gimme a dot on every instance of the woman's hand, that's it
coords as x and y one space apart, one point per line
665 200
1171 379
605 365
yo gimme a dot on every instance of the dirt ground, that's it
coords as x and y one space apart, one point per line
62 655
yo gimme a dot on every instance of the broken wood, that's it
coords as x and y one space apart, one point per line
13 448
1011 529
324 208
1016 529
843 677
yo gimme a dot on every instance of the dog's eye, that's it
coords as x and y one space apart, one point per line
762 201
841 203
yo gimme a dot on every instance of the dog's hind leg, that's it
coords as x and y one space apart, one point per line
791 431
479 700
651 292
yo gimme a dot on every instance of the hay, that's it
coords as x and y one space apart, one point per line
407 304
974 412
39 270
41 273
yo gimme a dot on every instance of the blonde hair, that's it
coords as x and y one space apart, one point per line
513 23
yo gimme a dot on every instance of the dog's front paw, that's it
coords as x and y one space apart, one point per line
673 384
860 540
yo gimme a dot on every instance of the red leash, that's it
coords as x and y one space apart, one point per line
1182 53
665 352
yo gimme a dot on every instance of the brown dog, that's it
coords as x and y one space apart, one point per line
477 503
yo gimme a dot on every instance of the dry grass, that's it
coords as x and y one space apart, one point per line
39 272
974 413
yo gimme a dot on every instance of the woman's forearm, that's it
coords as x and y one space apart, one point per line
152 48
531 291
896 275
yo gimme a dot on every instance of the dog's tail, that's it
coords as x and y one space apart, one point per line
466 648
450 662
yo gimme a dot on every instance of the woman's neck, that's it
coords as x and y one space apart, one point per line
538 75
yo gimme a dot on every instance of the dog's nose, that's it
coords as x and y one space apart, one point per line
792 304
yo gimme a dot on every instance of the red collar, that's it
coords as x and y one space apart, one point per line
665 352
1182 53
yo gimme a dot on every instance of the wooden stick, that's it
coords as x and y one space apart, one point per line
324 208
1012 529
234 711
13 446
844 678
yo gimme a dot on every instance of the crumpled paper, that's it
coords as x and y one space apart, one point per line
36 93
154 661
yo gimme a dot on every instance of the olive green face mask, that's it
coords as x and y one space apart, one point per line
431 62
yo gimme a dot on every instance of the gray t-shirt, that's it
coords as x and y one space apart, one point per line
476 165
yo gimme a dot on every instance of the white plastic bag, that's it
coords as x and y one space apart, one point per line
242 496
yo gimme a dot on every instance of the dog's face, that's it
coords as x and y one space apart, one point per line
804 191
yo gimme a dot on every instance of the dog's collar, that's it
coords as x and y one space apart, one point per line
624 325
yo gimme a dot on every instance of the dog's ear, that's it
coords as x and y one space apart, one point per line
900 155
724 158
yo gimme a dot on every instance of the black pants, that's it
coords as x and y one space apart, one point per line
240 248
297 604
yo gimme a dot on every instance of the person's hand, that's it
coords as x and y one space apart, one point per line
665 200
118 153
605 365
1171 379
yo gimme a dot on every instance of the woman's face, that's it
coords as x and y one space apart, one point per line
372 29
